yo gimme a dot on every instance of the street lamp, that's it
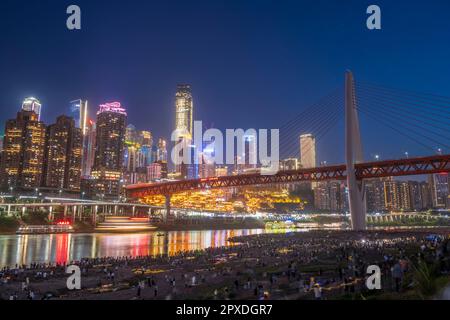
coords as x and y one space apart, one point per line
377 157
407 154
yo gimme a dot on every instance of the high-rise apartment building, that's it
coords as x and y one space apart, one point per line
22 157
439 183
330 196
109 149
374 194
63 155
307 151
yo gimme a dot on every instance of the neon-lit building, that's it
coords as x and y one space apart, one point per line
109 150
32 104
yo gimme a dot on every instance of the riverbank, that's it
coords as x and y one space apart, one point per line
269 266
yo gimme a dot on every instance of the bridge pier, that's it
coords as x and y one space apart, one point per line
94 214
167 211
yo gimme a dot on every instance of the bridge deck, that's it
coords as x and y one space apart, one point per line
378 169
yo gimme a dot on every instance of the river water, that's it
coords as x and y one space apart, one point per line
60 248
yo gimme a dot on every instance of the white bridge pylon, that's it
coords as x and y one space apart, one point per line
353 155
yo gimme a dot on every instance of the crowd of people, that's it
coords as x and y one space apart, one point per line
310 265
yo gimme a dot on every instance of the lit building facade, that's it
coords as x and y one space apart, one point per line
109 149
331 196
161 153
88 149
63 155
32 104
289 164
184 115
22 158
307 151
154 171
439 183
79 112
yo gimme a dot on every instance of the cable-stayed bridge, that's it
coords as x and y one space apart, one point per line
421 118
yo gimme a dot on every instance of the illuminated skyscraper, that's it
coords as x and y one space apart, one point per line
131 134
146 143
109 149
79 112
307 151
161 153
32 104
22 159
88 149
63 155
184 110
138 154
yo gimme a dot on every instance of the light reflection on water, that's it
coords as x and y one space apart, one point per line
60 248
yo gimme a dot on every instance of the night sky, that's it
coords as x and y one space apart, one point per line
251 64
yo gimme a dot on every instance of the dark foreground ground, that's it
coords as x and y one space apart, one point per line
310 265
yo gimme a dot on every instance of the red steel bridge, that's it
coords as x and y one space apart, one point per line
378 169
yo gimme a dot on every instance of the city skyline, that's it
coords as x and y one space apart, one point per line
224 152
294 62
